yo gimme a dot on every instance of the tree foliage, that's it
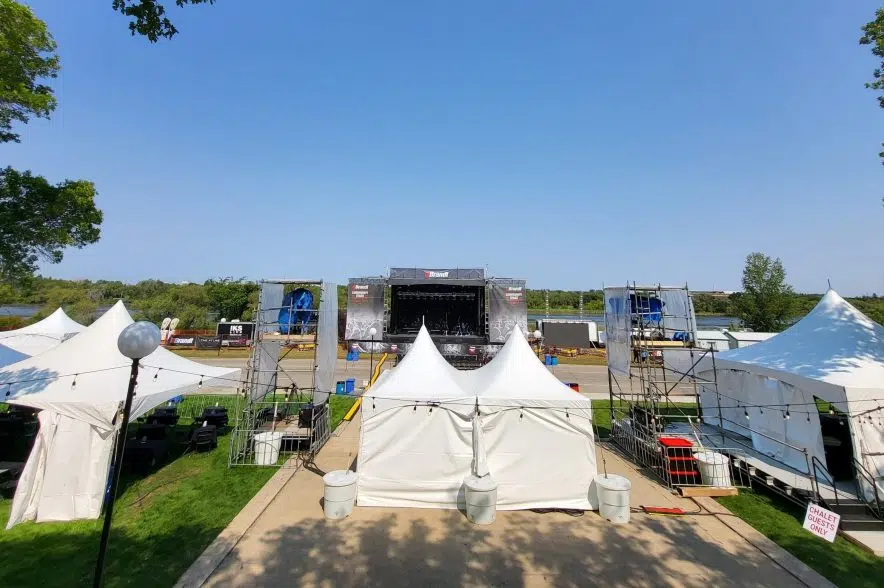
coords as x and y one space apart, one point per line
148 17
27 57
873 34
228 297
767 301
38 220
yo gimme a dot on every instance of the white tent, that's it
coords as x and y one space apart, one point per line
80 385
42 335
415 445
419 439
538 432
836 354
9 356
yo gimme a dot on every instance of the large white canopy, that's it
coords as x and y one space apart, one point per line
419 437
42 335
80 385
9 356
835 353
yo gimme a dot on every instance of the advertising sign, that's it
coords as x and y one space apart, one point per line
365 310
821 522
181 340
508 308
208 342
231 330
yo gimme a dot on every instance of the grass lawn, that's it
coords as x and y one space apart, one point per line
601 413
843 563
162 522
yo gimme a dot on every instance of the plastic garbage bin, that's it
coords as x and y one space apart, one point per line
715 468
340 494
481 499
613 494
267 447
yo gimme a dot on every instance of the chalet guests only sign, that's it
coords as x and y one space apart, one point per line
821 522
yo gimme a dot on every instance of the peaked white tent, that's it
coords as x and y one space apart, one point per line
9 356
42 335
427 426
415 445
836 354
538 432
80 386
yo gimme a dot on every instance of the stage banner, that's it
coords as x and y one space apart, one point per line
181 340
365 309
208 342
618 330
236 330
508 308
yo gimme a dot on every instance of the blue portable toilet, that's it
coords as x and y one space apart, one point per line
554 360
547 359
350 386
339 388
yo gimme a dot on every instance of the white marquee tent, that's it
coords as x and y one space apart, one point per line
42 335
426 427
836 354
80 386
9 356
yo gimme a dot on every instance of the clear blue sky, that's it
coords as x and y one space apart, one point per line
570 143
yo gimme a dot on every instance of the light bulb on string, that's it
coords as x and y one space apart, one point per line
746 413
831 409
808 417
74 382
200 385
786 414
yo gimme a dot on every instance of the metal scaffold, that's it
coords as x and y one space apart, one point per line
284 416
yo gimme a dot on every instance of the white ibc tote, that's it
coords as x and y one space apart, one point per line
340 494
614 497
714 468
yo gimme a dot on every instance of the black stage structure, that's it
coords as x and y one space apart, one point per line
468 315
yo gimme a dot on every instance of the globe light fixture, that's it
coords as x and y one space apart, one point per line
139 340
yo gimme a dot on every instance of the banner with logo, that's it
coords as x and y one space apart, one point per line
208 342
508 308
181 340
236 330
365 309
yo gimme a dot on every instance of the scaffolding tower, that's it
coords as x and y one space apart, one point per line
284 415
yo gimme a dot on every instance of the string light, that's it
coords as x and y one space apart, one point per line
808 417
200 385
787 416
831 409
74 382
156 374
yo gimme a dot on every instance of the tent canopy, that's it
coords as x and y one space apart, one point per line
80 385
9 356
86 377
42 335
835 344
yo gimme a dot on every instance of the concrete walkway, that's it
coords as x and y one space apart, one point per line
290 544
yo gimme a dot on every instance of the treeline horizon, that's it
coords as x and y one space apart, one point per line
200 305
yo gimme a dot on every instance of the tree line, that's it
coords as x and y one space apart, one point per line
200 306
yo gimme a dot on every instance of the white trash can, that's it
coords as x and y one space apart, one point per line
715 469
481 499
340 494
267 447
613 492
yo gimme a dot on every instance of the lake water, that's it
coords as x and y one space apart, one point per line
22 310
712 321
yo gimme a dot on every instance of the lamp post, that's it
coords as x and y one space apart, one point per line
537 336
136 341
372 331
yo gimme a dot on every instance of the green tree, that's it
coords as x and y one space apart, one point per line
767 301
38 220
148 17
873 34
27 56
229 297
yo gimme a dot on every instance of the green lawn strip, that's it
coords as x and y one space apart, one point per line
162 522
601 413
842 562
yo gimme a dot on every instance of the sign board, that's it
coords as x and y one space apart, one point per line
185 340
821 522
231 330
204 342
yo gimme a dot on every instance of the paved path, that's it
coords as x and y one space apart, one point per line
290 544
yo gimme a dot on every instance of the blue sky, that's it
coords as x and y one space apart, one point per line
570 143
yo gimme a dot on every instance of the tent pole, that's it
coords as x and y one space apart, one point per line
115 476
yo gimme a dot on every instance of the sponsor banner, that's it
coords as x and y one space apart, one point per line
236 330
508 308
425 273
208 342
181 340
365 310
234 342
821 522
